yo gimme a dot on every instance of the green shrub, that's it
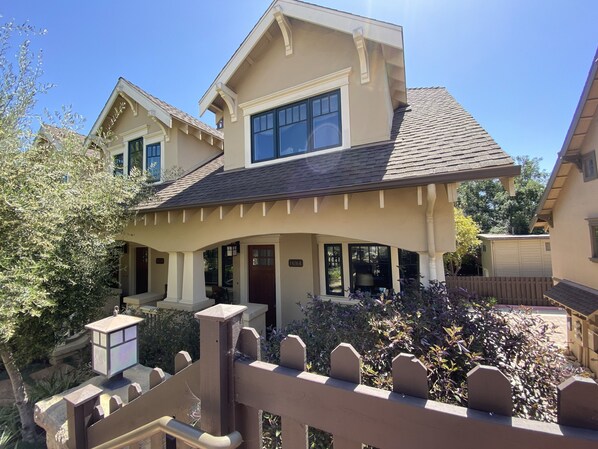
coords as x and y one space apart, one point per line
164 334
450 332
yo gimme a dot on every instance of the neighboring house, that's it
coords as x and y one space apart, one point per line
569 208
334 176
516 255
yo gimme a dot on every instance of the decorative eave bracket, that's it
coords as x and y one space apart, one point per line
575 160
509 185
230 98
285 29
165 130
132 103
362 52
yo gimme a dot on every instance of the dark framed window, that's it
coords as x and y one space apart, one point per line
152 161
210 258
409 265
333 263
588 163
227 269
593 222
135 155
370 267
309 125
118 164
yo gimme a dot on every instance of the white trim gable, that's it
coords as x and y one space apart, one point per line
389 35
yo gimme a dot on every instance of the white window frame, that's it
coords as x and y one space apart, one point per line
148 139
337 80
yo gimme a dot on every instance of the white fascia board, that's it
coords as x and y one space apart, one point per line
374 30
134 94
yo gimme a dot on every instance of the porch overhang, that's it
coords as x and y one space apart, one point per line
580 299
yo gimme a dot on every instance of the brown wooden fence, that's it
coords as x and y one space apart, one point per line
526 291
236 387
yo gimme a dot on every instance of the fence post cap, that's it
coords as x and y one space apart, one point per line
220 312
82 395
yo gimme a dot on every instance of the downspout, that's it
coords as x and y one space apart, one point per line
431 197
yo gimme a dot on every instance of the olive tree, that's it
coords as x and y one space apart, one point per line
61 211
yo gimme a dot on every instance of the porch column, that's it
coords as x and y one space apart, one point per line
431 197
175 276
191 279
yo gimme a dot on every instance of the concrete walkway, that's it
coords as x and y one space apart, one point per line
552 315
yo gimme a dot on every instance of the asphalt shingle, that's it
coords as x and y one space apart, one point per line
575 297
433 136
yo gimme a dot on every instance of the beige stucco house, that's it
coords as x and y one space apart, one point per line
327 174
569 208
516 255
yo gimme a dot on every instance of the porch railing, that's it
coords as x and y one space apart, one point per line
236 387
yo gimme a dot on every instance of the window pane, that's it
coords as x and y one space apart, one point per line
333 262
370 267
153 163
135 155
227 269
409 266
210 258
256 125
316 108
293 139
333 102
326 131
263 145
595 243
325 109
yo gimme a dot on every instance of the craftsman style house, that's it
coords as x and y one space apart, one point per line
326 175
569 208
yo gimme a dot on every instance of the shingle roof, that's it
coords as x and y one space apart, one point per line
433 140
576 297
176 112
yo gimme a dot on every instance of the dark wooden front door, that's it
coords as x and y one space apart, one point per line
141 258
262 279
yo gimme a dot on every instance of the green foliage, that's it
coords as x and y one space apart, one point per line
9 426
467 231
494 210
164 334
450 332
60 381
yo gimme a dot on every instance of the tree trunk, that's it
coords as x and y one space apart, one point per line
21 397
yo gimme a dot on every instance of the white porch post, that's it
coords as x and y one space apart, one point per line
194 283
431 197
175 276
187 273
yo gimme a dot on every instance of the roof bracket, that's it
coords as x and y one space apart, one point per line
509 185
285 29
452 192
164 129
230 98
575 160
362 52
132 103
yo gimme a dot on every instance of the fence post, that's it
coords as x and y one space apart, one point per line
79 408
219 328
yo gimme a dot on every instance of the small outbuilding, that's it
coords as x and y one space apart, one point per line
516 255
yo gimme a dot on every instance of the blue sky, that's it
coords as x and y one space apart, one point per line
518 66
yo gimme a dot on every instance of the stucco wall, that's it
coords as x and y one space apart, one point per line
570 235
317 52
158 273
401 223
296 282
192 152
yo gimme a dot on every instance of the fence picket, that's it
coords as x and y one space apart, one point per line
409 376
181 360
345 364
293 355
249 420
489 391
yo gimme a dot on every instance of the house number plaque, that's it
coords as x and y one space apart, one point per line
295 262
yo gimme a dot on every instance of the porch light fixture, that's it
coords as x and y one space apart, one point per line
233 249
114 343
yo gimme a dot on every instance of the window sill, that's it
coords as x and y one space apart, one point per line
593 259
339 300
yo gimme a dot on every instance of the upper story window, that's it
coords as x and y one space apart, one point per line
153 162
309 125
118 162
135 155
588 163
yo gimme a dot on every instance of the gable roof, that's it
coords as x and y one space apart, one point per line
569 154
385 33
434 140
157 108
579 298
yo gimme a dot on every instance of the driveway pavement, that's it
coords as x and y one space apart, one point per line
552 315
